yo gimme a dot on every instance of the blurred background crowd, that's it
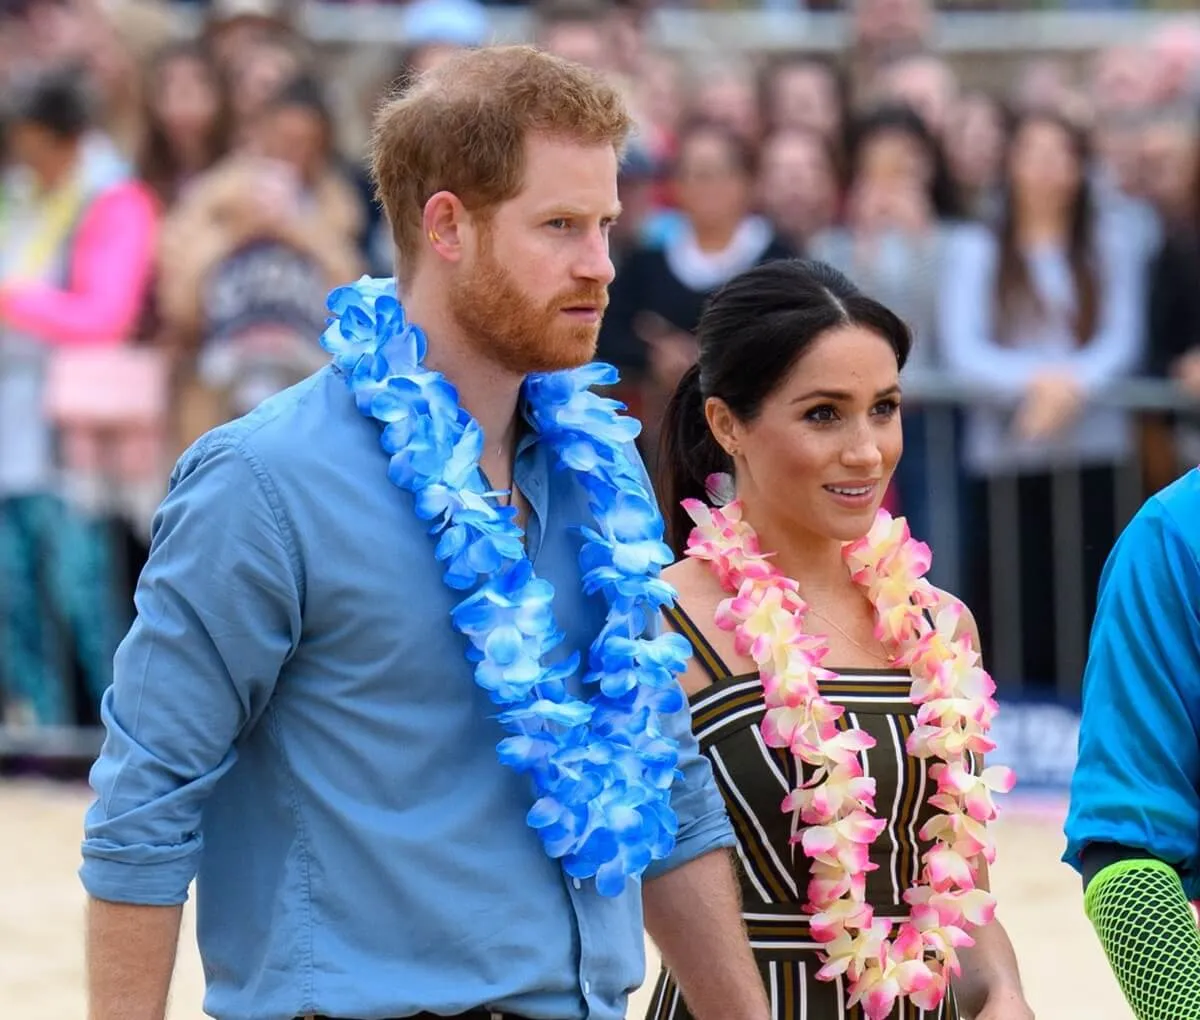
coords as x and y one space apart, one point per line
181 185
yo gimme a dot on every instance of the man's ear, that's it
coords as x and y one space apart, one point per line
443 221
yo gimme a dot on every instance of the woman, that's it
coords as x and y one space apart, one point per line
1040 316
796 397
246 253
900 202
976 135
76 250
187 119
892 243
661 288
798 185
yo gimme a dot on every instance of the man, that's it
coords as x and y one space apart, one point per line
294 716
1133 830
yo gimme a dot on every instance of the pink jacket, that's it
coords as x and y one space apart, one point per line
110 266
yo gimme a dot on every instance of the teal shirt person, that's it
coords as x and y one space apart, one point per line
1133 826
1137 780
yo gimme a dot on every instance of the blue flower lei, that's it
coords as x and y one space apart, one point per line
602 770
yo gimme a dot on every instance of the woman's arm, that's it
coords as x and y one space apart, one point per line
111 262
990 983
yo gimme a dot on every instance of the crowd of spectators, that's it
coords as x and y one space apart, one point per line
174 206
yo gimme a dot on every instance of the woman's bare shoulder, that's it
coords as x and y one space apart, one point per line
967 624
693 581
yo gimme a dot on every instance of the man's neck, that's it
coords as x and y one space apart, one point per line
488 392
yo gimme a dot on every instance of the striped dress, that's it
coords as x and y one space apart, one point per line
773 874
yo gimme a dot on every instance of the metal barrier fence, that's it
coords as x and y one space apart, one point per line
941 401
962 27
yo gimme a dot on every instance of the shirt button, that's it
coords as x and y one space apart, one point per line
575 882
587 988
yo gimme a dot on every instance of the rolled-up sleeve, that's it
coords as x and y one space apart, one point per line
703 822
695 799
218 614
1137 780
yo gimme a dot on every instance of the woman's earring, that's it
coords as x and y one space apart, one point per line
434 237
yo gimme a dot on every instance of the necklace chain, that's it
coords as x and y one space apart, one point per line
849 637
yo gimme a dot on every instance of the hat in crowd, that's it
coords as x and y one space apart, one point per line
445 23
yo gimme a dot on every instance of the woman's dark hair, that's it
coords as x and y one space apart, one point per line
895 118
56 100
839 82
306 93
1014 288
158 164
752 332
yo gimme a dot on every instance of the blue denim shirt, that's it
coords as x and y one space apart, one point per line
293 722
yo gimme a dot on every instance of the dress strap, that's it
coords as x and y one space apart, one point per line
707 656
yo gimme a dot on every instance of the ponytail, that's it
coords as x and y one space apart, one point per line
688 454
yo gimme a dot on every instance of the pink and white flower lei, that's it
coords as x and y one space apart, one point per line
953 695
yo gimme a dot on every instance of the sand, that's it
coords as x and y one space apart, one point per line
41 911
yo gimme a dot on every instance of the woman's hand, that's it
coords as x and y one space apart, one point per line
1052 401
670 351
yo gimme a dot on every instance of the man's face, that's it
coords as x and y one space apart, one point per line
805 97
532 287
880 24
295 136
1168 166
37 149
584 42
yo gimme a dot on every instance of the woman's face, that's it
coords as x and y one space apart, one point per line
660 87
185 98
296 136
1043 164
797 183
258 75
731 100
894 160
711 183
818 458
805 97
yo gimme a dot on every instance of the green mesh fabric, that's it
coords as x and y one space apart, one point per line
1149 934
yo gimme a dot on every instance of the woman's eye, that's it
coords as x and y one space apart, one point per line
886 408
559 224
822 414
